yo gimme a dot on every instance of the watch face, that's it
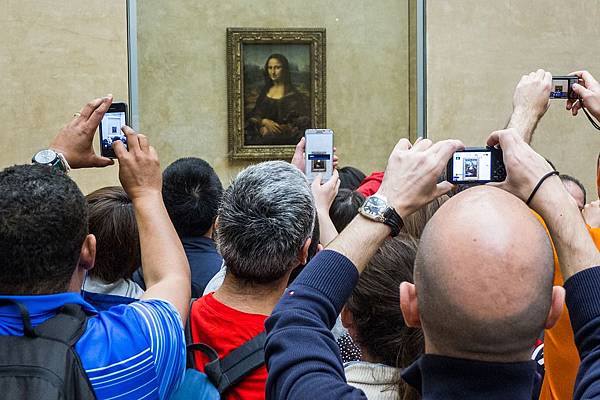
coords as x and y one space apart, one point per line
375 206
45 156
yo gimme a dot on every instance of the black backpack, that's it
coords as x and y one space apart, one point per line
43 364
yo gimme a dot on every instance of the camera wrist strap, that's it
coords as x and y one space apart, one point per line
594 123
542 179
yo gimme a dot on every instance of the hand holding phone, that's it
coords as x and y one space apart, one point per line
318 154
476 165
75 139
110 128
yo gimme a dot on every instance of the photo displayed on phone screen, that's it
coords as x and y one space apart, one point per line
319 153
472 166
110 128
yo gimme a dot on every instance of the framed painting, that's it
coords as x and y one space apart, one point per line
275 89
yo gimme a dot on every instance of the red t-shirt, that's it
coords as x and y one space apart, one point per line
370 184
225 329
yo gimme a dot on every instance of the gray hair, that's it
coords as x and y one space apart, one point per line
266 216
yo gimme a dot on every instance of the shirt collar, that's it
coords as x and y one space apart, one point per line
44 305
200 242
439 377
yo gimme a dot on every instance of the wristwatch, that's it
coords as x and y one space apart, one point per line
51 158
377 209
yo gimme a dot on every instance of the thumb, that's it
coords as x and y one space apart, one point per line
443 188
100 162
317 181
581 90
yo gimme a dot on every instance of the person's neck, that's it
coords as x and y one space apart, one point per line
491 357
208 233
250 298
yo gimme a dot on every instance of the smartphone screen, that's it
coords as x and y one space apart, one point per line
319 153
478 165
110 128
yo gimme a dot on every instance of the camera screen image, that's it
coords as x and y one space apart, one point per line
111 130
318 161
560 89
318 166
472 166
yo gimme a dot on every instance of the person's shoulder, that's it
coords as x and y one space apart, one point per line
145 336
135 321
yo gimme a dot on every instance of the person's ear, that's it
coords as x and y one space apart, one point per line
347 319
303 254
409 305
557 306
348 322
87 255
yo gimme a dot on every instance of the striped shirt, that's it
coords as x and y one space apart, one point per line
134 351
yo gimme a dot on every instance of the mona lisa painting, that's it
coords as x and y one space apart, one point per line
276 89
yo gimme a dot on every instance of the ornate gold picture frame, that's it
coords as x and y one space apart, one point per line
275 89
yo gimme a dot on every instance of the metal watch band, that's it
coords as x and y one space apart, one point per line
60 162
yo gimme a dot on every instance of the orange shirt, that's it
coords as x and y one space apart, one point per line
561 358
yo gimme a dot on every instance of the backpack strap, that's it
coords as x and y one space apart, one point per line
236 366
189 356
67 326
27 327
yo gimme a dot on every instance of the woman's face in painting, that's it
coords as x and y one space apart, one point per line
275 69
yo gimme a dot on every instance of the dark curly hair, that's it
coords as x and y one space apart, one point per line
43 224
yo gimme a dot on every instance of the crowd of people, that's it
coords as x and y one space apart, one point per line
173 285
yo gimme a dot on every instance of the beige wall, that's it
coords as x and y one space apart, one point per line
477 51
54 57
183 83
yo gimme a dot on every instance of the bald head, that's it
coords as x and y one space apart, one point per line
483 274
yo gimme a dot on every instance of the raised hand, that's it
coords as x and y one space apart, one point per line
139 168
531 99
75 139
588 89
524 167
410 178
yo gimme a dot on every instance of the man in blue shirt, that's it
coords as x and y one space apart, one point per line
130 351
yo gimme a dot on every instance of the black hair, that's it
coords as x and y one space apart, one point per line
192 193
312 251
345 207
350 177
572 179
43 224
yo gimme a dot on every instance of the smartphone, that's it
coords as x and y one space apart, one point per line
319 153
110 128
562 87
476 165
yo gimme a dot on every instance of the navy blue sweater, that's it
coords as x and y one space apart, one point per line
304 363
